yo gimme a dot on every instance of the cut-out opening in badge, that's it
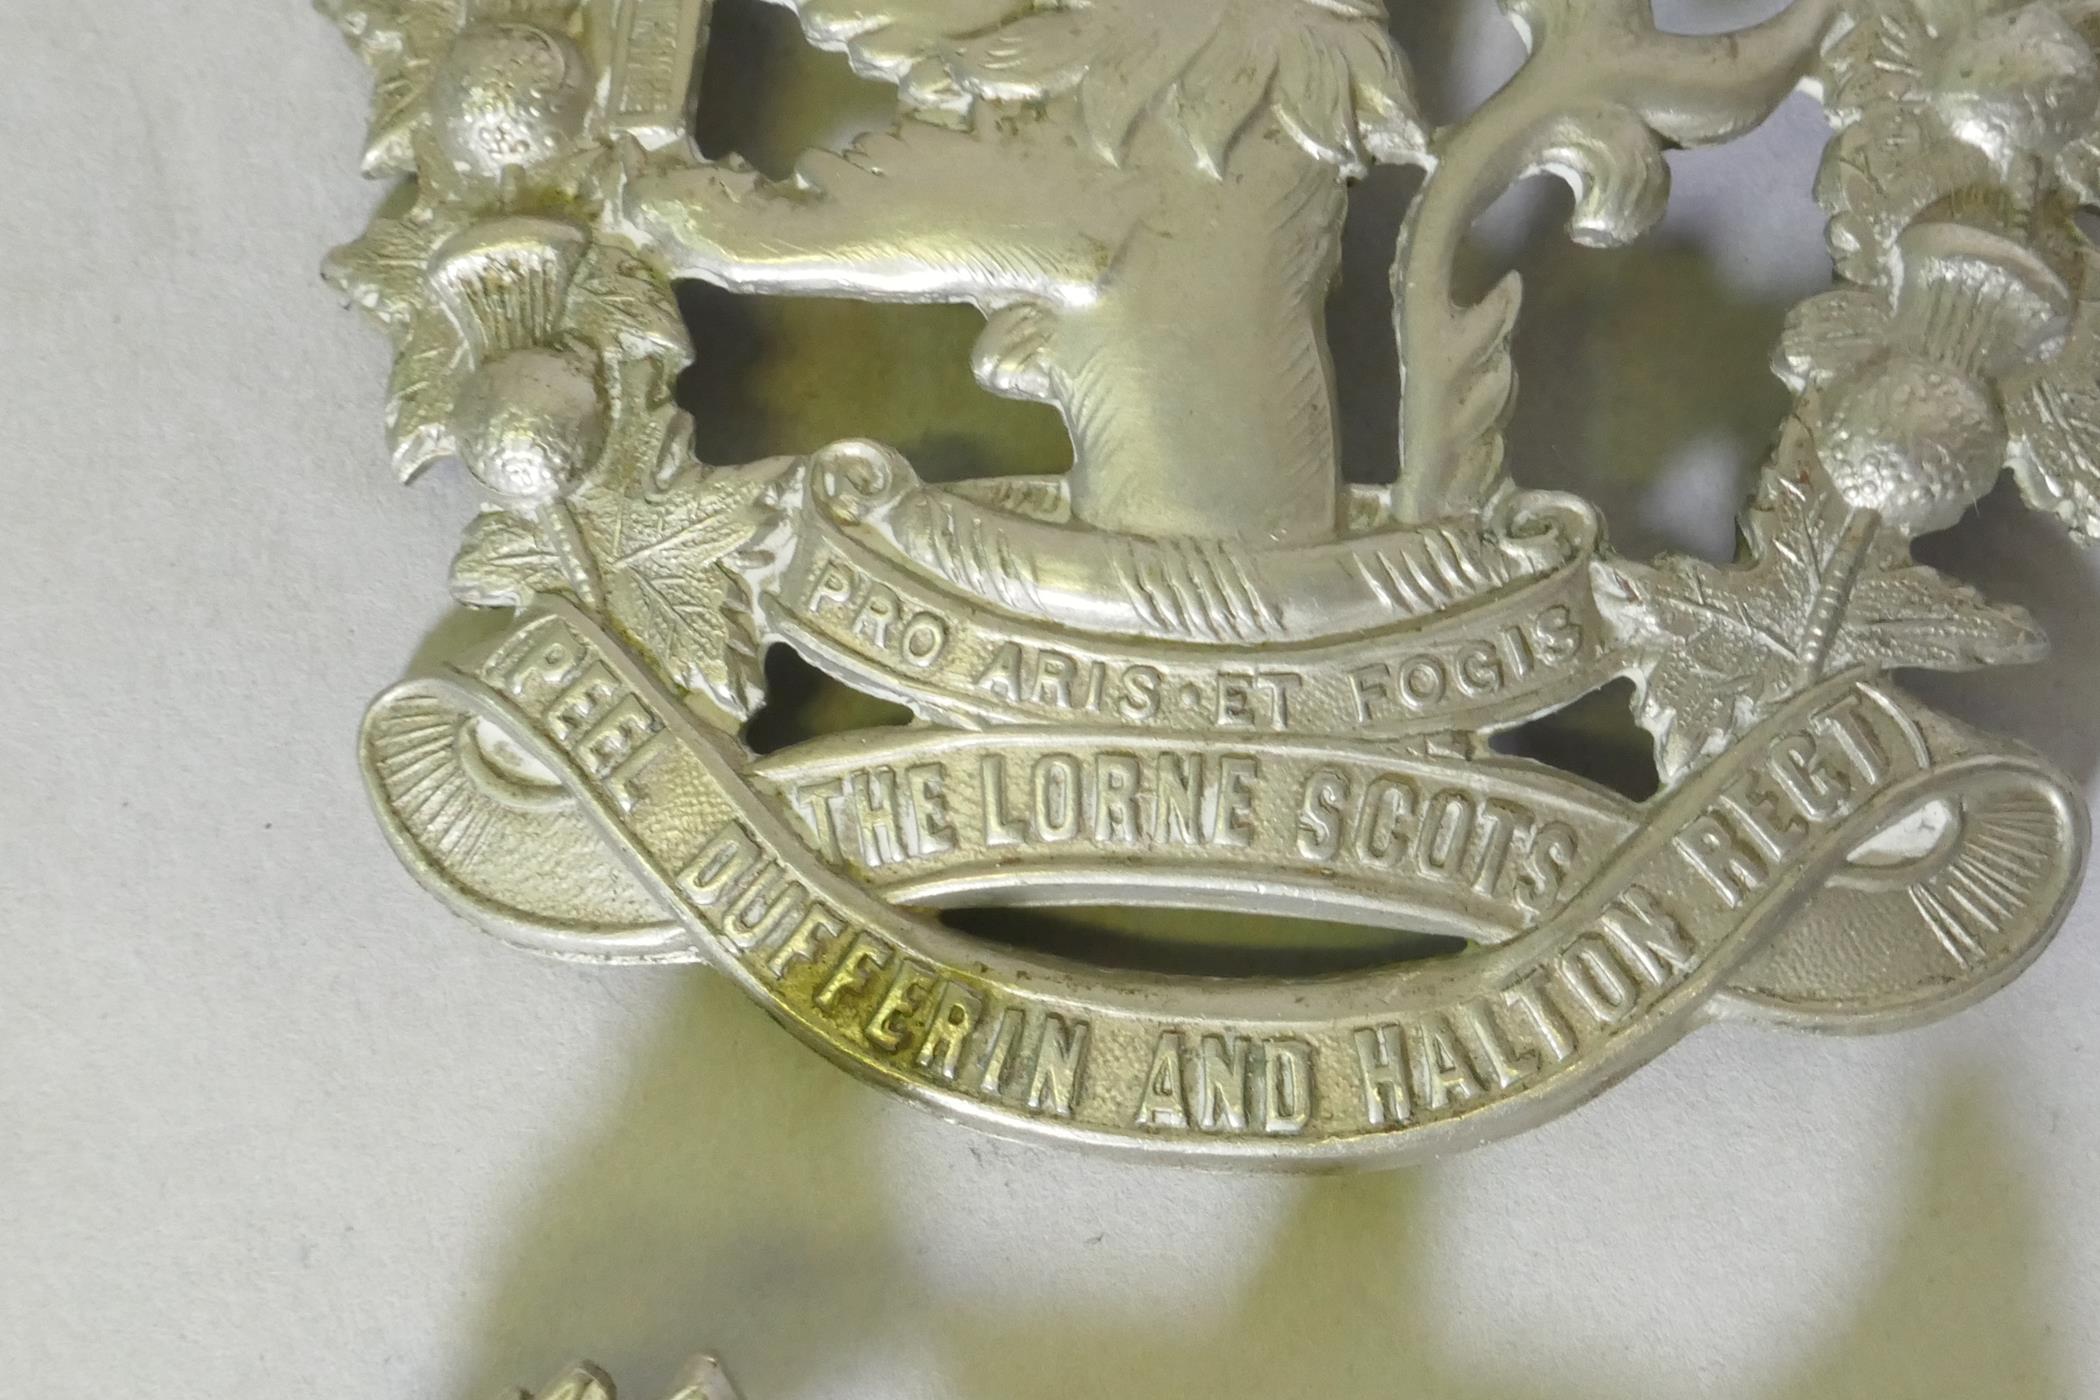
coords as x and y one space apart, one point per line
1910 847
805 702
1593 737
502 768
1198 942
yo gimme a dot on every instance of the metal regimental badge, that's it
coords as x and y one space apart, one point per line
704 1379
1199 670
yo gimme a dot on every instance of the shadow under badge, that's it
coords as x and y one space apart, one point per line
1201 671
649 1224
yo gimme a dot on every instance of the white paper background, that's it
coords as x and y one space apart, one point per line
273 1125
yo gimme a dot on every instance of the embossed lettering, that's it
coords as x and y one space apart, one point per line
1591 971
1381 1056
868 955
1221 1083
1718 853
888 1026
1163 1102
807 942
1287 1087
955 1013
1320 814
728 855
1650 939
1007 1030
1446 1075
1552 1033
1060 1051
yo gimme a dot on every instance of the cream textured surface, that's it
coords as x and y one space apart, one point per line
275 1126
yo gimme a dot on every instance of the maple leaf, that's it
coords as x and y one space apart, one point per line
1718 651
1722 645
671 585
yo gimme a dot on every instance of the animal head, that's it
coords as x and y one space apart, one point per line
1327 70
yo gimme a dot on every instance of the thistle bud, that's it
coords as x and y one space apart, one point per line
529 424
2022 82
509 95
1916 440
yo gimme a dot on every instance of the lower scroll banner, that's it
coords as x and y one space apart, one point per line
1850 862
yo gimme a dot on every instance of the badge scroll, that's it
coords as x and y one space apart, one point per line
1199 671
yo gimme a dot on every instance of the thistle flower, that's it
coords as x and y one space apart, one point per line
529 426
1978 360
508 95
497 85
1951 107
527 420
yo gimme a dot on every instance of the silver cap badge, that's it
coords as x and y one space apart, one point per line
1200 671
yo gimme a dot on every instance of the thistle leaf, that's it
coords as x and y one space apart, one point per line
420 395
621 298
400 40
1916 616
1830 335
502 562
2055 429
1875 61
383 271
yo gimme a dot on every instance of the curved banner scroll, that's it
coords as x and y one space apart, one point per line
1822 826
980 618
